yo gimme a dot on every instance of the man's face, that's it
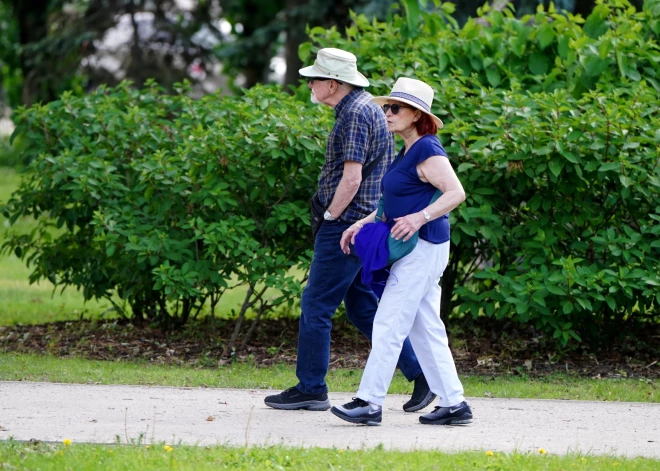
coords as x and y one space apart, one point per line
320 89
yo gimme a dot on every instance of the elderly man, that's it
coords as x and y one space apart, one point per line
358 151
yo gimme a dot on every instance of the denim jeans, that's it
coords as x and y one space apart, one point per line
335 277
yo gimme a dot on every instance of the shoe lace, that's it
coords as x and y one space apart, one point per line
359 402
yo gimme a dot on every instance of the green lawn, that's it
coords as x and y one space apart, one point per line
247 375
57 456
36 303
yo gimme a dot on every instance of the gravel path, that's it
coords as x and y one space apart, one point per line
206 416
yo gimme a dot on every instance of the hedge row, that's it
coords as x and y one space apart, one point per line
168 201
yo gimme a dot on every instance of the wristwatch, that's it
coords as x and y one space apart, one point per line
426 215
327 216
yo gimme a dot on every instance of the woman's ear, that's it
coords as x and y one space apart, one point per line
418 115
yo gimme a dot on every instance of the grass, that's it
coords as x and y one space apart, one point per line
55 456
19 367
33 303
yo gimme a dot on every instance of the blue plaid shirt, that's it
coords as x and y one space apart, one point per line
360 134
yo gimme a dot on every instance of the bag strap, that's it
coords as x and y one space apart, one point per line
367 170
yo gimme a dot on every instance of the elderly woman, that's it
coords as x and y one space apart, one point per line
410 303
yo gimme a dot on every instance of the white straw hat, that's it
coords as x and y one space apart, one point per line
336 64
414 93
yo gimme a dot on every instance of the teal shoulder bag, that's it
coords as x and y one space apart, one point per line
398 248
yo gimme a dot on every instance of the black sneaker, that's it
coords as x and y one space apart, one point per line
359 412
421 396
460 414
293 399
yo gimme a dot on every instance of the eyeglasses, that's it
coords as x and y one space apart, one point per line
394 108
311 80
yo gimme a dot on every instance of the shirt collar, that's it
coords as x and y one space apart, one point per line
344 102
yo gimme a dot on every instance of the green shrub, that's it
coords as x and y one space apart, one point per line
166 199
553 133
564 203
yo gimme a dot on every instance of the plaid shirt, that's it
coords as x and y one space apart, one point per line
360 134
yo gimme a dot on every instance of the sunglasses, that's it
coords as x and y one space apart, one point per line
394 108
311 80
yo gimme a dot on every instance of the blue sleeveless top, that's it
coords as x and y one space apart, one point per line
404 193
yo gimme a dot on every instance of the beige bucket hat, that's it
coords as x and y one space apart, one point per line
412 92
336 64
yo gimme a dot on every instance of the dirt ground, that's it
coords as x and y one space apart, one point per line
485 347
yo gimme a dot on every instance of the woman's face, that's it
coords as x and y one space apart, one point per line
400 117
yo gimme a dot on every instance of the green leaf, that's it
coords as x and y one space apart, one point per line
596 24
570 157
556 166
539 63
563 46
609 166
304 51
625 181
493 76
595 66
413 11
545 35
539 298
585 303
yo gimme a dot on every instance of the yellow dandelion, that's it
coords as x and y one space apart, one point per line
340 451
489 453
147 446
168 448
67 441
59 453
542 451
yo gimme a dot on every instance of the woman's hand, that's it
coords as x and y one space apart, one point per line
349 236
406 226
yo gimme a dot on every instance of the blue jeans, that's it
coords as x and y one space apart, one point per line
335 277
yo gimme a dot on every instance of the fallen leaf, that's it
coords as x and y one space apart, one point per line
210 418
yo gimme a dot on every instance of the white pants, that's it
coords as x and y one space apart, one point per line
410 307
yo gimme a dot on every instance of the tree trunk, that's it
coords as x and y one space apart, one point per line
32 17
295 35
